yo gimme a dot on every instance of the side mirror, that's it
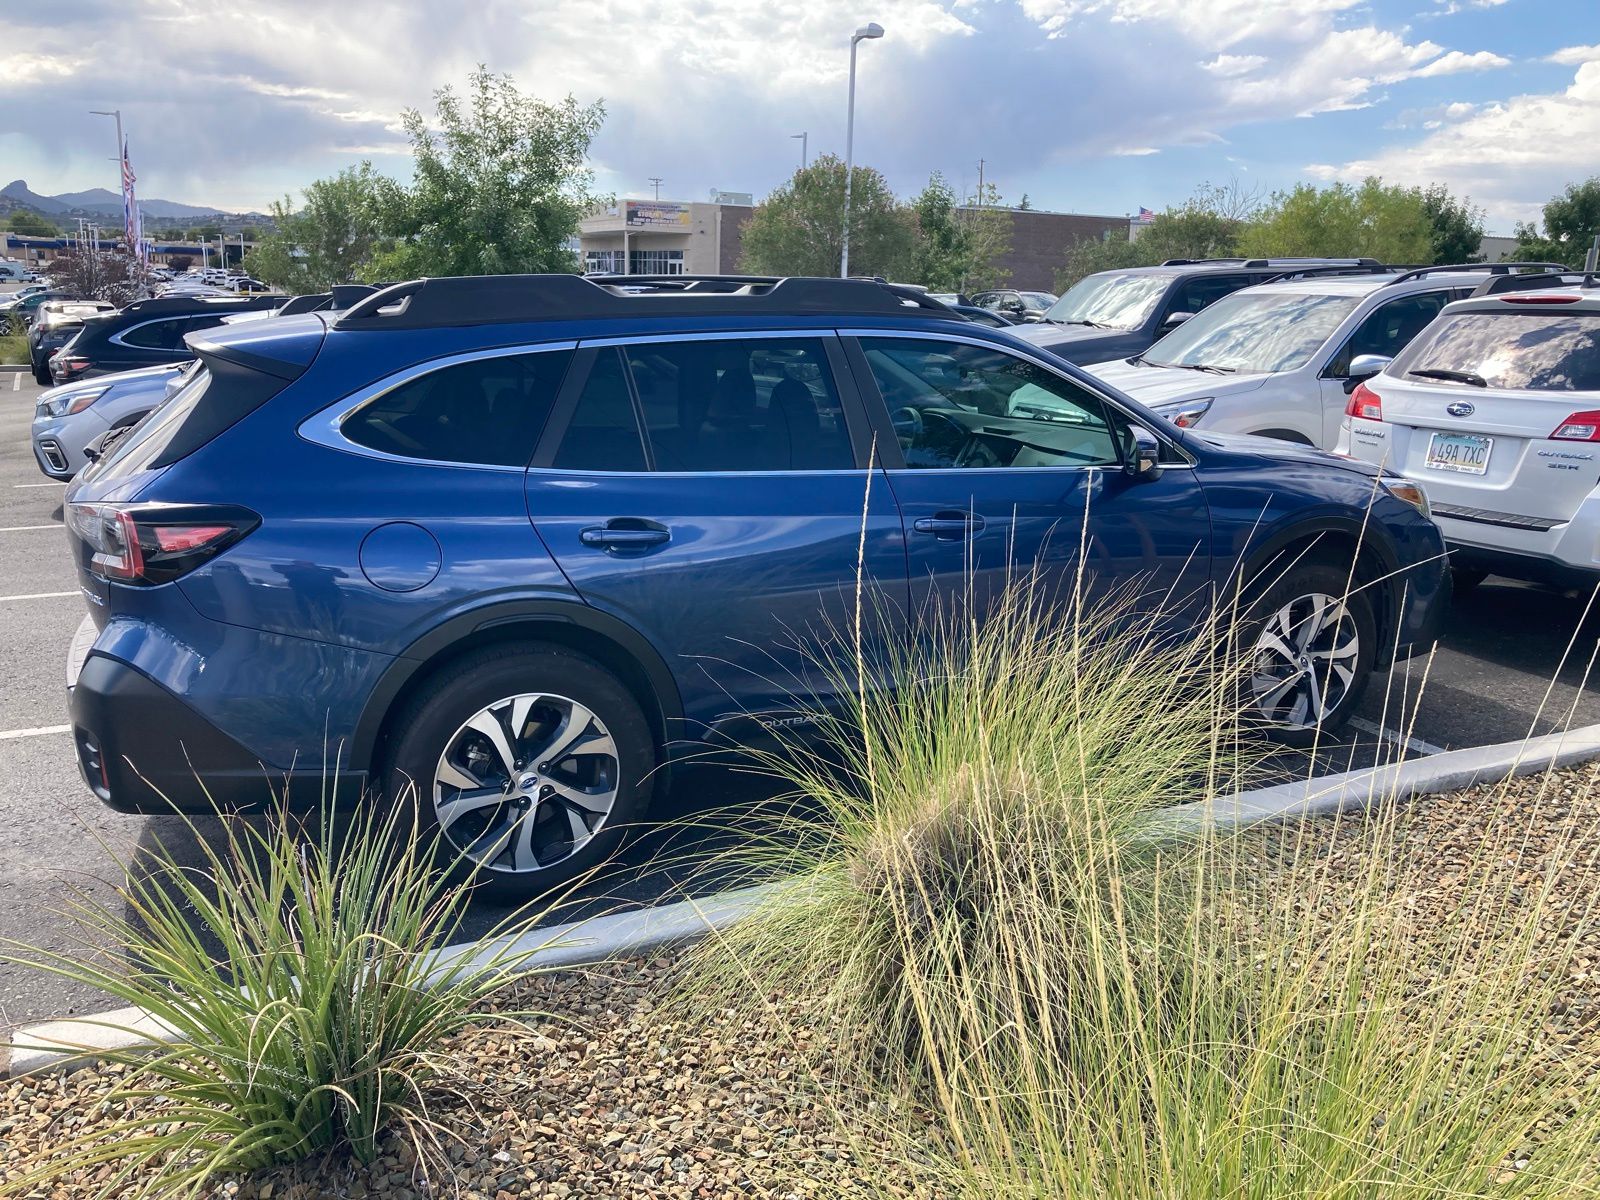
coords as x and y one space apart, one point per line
1175 319
1363 367
1144 458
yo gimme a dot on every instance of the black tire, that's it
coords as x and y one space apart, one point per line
41 373
434 722
1465 579
1285 608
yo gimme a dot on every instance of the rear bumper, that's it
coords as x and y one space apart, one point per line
1531 567
143 750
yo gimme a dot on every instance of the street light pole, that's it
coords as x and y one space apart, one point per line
870 30
804 159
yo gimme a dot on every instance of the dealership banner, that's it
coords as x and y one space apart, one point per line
656 214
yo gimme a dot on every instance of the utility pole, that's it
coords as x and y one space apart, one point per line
655 182
980 183
804 157
870 30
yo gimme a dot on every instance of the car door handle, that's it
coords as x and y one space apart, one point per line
949 526
626 533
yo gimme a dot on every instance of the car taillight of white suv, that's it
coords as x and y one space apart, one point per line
1495 410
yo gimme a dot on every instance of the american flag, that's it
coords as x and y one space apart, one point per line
131 224
1146 215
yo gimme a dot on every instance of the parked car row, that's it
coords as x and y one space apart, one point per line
524 542
119 364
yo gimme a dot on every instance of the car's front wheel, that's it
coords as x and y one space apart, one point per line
529 760
1309 646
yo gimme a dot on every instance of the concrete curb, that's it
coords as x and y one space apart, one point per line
79 1041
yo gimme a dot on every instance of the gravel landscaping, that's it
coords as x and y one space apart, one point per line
628 1089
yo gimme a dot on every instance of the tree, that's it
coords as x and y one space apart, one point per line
179 263
98 275
501 182
331 238
1457 225
1386 222
957 248
799 228
1571 221
29 224
1207 225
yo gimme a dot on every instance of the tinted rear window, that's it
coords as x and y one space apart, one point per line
1531 349
487 412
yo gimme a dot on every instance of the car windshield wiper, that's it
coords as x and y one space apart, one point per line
1453 376
1207 367
1082 321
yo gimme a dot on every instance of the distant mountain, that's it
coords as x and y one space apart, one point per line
17 192
96 202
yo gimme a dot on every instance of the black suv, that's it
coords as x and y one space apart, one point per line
148 333
1117 314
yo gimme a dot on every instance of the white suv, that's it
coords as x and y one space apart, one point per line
1280 359
1495 411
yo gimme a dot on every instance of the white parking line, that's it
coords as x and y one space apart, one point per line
39 596
8 734
25 528
1415 745
16 382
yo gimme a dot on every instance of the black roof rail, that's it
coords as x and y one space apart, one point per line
508 299
1496 284
343 295
1499 268
1371 267
174 304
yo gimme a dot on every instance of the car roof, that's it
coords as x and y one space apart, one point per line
1364 285
1559 299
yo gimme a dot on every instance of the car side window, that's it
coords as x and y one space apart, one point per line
158 335
486 412
603 434
1194 294
1389 328
740 404
954 404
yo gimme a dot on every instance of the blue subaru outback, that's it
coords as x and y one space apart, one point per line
525 540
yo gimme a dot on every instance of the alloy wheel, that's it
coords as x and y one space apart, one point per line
526 782
1304 661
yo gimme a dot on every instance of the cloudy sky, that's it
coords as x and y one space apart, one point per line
1085 105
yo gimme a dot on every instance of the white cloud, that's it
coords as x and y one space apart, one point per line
1449 64
1228 65
1509 156
1572 56
22 69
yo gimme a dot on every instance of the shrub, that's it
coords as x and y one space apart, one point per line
303 979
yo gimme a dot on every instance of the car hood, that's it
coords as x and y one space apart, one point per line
1048 333
1165 385
143 377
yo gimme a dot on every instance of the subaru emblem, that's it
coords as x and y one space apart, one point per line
1461 408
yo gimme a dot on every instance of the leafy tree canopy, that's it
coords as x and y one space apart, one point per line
799 228
1571 221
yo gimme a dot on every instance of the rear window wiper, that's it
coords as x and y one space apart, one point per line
1452 376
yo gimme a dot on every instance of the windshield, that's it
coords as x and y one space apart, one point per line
1536 351
1259 332
1111 300
1037 299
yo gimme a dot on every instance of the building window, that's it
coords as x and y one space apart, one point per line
602 262
655 262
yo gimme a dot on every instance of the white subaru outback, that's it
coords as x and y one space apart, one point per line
1495 410
1280 359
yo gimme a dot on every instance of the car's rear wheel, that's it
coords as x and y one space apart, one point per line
1309 643
530 761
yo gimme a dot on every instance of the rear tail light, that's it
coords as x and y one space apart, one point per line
1364 403
69 367
1541 299
149 544
1579 427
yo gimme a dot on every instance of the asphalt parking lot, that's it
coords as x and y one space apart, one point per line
1513 662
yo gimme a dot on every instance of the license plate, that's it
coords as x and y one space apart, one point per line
1465 453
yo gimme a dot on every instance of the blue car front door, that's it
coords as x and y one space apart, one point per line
1003 467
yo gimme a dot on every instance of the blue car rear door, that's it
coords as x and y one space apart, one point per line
713 492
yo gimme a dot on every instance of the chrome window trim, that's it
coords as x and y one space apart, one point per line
1027 355
323 429
116 338
634 339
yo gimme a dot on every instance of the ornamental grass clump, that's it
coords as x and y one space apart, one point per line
1049 993
299 971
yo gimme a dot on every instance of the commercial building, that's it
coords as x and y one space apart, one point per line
677 237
